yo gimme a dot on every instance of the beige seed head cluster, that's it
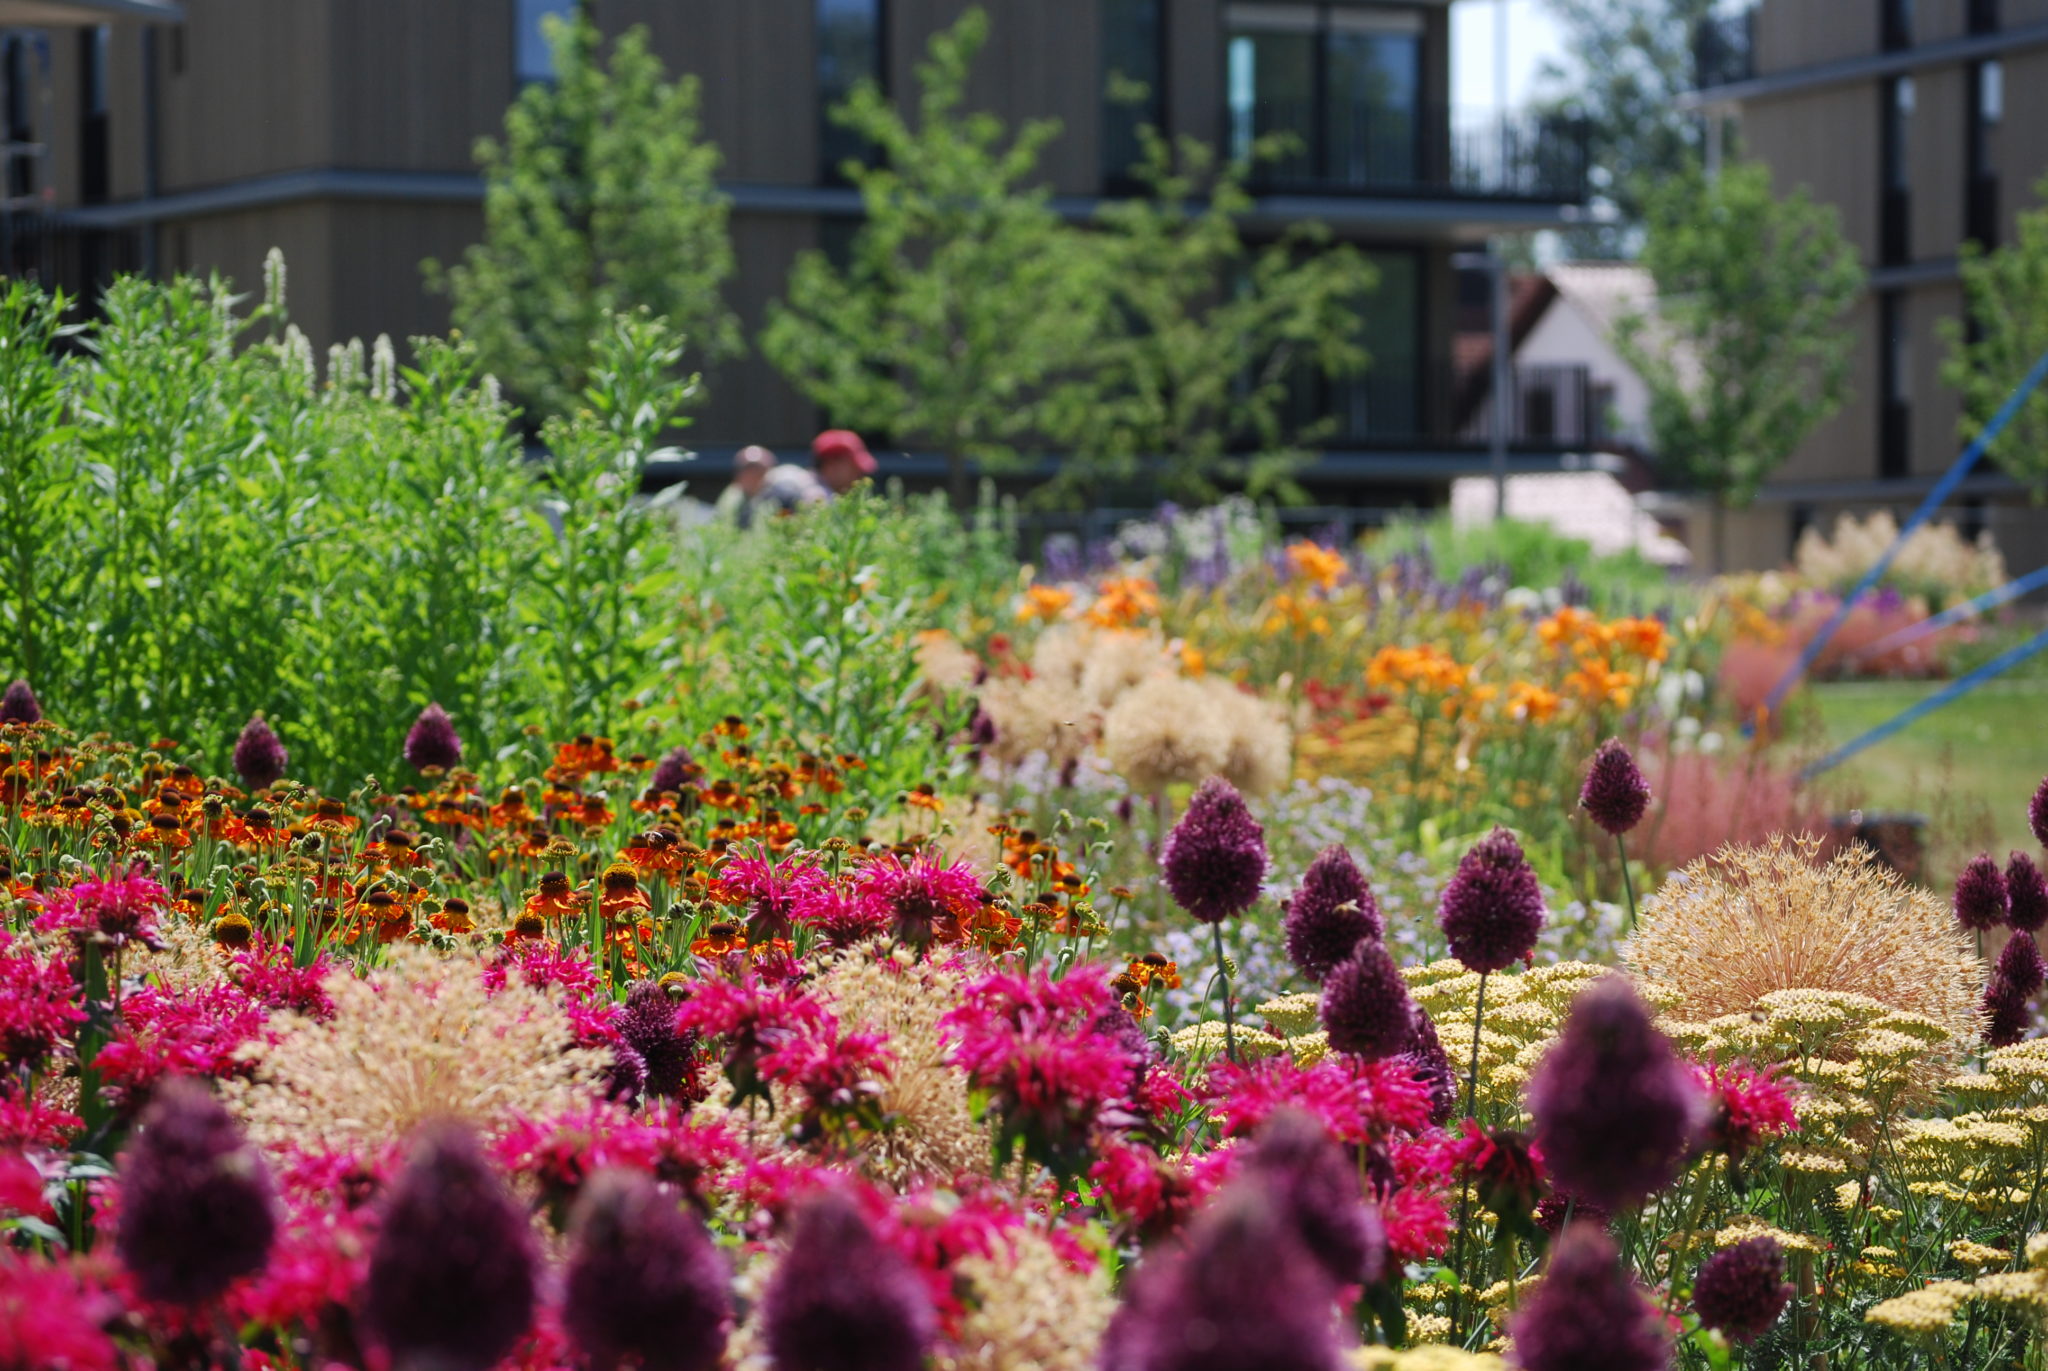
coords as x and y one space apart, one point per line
417 1039
1730 929
1032 1311
932 1134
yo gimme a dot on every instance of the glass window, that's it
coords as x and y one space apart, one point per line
1374 77
849 52
1383 402
532 60
1343 85
1898 24
1898 117
1132 81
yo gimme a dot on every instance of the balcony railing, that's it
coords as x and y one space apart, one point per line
1724 49
1552 404
1361 148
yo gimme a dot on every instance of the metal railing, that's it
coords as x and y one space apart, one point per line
1366 148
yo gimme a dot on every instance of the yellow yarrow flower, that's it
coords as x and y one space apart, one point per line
1922 1313
1977 1255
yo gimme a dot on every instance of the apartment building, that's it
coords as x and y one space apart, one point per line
341 131
1923 122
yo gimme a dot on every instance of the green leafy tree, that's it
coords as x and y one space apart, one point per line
1206 339
602 199
1746 353
1633 59
2006 292
967 300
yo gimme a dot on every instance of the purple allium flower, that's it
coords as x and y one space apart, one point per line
1215 857
1981 898
647 1024
452 1274
196 1207
625 1075
842 1300
2037 813
1492 909
1615 794
1557 1209
1615 1107
432 744
1433 1067
1588 1313
260 757
1366 1009
2007 1015
1316 1187
18 705
2026 894
2020 964
672 772
643 1279
1741 1290
1331 913
1243 1295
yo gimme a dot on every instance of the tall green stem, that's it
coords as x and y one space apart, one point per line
1465 1186
1223 974
1628 884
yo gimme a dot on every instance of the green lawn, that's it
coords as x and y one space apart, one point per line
1970 766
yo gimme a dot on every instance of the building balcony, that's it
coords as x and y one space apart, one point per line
1366 149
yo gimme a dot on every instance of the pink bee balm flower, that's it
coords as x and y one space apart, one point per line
925 900
53 1315
113 912
1745 1107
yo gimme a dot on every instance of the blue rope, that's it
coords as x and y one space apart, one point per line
1990 599
1949 693
1936 498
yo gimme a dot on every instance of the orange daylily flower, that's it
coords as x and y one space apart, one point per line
1045 603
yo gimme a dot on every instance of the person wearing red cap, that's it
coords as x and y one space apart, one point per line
841 458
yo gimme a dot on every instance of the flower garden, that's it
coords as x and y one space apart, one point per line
438 937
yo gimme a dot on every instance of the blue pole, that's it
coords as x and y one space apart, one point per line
1936 498
1990 599
1954 690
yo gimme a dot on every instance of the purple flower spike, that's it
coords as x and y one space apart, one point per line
672 772
1316 1186
1331 914
1366 1009
843 1301
647 1023
1215 857
18 705
196 1206
2026 894
1741 1290
644 1280
1615 794
1588 1313
1492 909
1981 898
452 1275
1615 1107
260 757
1433 1067
2037 813
432 744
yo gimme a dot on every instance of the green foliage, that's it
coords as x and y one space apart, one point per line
1633 59
967 299
1747 353
601 199
1204 339
1529 554
201 527
2007 296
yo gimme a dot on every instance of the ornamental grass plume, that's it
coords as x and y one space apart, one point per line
1330 914
196 1210
1366 1009
1317 1189
18 705
1242 1295
1164 732
1741 1290
1588 1313
643 1281
453 1272
1981 901
841 1299
1728 930
260 756
432 744
2026 894
1492 908
419 1039
1615 1107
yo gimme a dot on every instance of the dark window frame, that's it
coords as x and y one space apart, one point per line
837 145
1116 172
